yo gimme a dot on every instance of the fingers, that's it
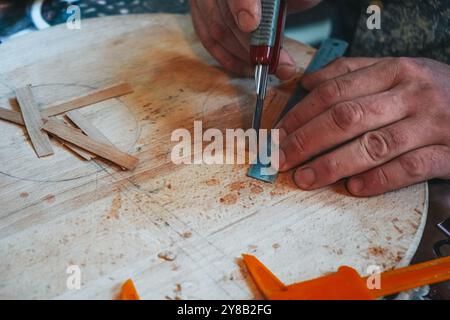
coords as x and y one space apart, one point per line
339 124
224 56
286 66
227 18
221 25
369 151
219 30
247 17
396 108
246 13
367 81
413 167
337 68
224 28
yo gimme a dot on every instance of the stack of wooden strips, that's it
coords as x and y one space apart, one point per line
84 139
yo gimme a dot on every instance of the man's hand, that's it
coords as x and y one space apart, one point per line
224 28
383 123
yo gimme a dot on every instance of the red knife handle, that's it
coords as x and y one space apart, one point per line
276 50
261 55
270 55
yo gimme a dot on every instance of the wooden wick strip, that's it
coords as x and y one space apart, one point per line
11 116
87 127
83 101
96 96
101 149
33 122
16 117
83 154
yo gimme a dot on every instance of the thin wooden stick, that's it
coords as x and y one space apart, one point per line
103 150
100 95
83 154
16 117
11 116
96 96
33 122
87 127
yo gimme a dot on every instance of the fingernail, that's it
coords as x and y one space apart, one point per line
356 185
286 71
246 21
305 178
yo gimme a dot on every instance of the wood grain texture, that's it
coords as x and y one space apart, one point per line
33 122
177 231
103 150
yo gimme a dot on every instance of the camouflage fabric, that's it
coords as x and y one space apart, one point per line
413 28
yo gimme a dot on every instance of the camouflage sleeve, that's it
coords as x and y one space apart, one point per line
413 28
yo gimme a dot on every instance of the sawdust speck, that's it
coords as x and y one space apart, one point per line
49 198
115 207
212 182
378 251
229 199
187 234
256 190
237 186
167 256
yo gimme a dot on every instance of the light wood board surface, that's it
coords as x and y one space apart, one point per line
60 210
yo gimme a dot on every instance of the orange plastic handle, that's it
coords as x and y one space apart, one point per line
346 282
414 276
129 291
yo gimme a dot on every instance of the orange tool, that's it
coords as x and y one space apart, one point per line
346 283
129 291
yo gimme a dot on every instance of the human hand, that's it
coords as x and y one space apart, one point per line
382 123
224 28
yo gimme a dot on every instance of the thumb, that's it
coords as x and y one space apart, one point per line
247 13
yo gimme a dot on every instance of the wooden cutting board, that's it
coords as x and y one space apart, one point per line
178 231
